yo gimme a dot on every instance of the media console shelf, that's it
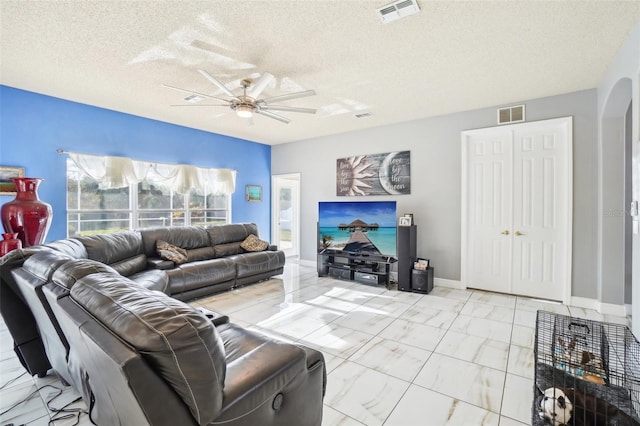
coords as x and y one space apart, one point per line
370 269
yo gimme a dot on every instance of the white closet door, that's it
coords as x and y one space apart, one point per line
517 205
540 209
490 189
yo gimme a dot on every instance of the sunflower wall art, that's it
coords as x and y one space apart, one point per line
374 174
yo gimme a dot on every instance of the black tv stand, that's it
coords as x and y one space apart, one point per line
365 268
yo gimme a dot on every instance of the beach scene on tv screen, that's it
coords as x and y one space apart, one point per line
367 227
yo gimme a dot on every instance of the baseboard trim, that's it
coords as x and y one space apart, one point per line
307 262
583 302
611 309
603 308
443 282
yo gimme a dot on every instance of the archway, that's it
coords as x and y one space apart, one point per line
615 246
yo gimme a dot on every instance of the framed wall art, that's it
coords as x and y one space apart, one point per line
254 193
7 187
387 173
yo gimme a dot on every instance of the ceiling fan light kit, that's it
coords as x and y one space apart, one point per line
244 111
247 104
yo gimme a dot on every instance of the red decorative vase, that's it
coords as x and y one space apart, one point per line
27 216
10 242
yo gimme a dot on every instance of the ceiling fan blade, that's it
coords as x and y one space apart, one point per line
200 105
195 93
262 83
287 108
274 116
289 96
217 83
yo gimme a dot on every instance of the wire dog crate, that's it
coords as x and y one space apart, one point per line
596 365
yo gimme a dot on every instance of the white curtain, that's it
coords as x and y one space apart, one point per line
118 172
220 181
110 172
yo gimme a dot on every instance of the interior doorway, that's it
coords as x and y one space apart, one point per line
286 213
618 240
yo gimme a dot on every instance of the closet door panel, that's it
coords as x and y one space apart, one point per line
490 211
539 213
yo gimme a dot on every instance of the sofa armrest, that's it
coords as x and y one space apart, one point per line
272 247
215 317
158 263
261 374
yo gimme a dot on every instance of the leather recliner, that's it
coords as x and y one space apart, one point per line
150 359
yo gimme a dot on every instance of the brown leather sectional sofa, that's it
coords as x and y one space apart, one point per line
107 317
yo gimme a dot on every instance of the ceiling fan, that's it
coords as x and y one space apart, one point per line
247 104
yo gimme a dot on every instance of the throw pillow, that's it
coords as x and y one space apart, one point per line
253 243
170 252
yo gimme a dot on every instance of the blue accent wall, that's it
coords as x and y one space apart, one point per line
34 126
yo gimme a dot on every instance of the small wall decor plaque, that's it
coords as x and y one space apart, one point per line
254 193
7 187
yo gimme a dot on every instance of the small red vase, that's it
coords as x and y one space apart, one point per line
10 242
27 216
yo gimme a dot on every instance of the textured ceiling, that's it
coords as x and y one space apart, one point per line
452 56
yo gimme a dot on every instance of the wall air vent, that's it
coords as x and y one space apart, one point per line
512 114
363 115
398 9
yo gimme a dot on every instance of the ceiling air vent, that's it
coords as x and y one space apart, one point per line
194 99
398 9
512 114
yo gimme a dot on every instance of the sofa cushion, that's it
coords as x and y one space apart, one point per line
170 252
253 243
112 248
206 273
230 233
177 340
69 273
70 246
157 263
224 250
186 237
203 253
44 263
248 264
153 279
131 266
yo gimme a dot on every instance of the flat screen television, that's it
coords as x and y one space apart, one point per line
359 227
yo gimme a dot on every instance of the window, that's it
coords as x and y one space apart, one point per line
150 202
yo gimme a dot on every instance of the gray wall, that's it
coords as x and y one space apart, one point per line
435 201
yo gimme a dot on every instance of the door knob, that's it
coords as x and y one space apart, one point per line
505 232
518 233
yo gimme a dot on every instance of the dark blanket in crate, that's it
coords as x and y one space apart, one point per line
548 377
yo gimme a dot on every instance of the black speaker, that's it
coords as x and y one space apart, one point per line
406 249
422 281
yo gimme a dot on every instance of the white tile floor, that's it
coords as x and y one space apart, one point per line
452 357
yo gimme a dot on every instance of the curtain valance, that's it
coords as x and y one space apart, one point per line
117 172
